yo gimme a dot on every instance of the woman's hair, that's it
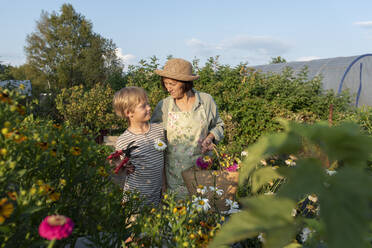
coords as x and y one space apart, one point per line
127 99
186 85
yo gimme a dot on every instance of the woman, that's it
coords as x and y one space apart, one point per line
190 118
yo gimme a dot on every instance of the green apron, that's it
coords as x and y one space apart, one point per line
184 130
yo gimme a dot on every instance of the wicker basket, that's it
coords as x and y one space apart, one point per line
225 180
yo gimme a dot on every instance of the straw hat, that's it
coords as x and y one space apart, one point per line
178 69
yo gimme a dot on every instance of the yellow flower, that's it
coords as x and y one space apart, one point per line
99 227
215 173
185 244
192 236
22 86
5 131
153 210
3 151
12 165
55 196
39 182
62 182
102 171
76 151
32 190
6 209
7 124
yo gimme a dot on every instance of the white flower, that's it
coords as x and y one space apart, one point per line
305 234
263 162
294 212
160 145
244 153
290 162
201 189
232 204
261 238
218 191
201 203
331 172
313 198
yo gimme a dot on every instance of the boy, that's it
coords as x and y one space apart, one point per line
146 170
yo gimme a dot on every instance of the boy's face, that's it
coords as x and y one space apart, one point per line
141 113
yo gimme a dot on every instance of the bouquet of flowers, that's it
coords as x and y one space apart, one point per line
127 155
220 161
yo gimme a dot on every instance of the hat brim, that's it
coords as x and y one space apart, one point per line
177 76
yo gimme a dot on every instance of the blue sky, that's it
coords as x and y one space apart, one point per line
237 30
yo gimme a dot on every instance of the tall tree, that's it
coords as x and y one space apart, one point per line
64 51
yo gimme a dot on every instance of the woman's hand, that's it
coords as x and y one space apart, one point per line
207 144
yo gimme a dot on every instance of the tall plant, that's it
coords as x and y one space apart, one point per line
344 196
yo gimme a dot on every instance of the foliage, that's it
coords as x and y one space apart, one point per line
45 169
91 109
64 51
278 60
176 224
250 102
5 72
344 196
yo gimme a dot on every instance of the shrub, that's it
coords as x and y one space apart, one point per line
46 169
91 108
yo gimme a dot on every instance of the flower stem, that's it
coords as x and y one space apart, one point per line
51 243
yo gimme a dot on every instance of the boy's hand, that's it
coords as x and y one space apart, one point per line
129 169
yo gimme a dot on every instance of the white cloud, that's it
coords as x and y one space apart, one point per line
364 24
308 58
202 48
127 59
257 44
241 48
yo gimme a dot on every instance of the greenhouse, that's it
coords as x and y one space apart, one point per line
341 73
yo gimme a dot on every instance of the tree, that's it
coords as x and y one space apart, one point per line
5 72
278 60
64 51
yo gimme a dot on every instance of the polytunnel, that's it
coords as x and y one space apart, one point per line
341 73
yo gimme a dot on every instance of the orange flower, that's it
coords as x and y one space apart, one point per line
5 98
6 209
12 195
76 151
43 145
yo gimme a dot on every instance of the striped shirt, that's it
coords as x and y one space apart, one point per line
149 162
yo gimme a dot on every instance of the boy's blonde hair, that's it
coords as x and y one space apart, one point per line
126 99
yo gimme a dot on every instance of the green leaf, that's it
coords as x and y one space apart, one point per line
4 229
307 177
263 176
265 214
266 146
345 208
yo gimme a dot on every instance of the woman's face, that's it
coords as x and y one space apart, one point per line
174 87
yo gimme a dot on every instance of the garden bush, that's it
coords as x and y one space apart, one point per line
249 101
324 199
47 168
91 109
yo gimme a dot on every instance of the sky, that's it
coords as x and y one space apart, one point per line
239 31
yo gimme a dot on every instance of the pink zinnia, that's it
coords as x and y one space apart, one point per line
204 162
56 227
233 167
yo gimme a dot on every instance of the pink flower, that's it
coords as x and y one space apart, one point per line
56 227
233 167
204 162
